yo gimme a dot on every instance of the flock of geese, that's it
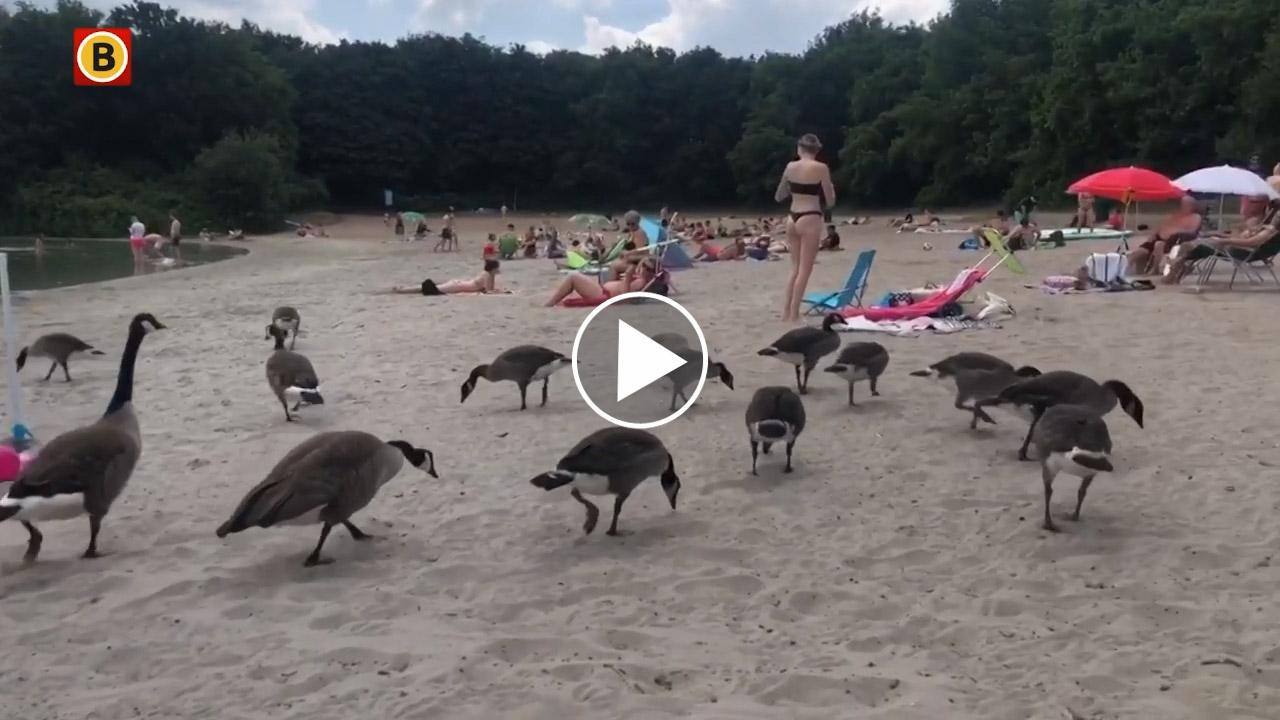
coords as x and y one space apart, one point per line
329 477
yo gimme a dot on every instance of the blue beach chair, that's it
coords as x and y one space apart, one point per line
850 295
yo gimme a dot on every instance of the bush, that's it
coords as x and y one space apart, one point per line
243 182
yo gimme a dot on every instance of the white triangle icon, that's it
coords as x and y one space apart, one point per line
641 361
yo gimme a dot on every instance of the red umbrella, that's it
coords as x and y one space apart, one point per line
1131 184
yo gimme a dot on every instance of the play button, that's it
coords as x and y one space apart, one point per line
639 360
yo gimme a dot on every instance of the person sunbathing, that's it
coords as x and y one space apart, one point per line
707 251
735 250
634 249
1178 228
634 279
1240 247
484 283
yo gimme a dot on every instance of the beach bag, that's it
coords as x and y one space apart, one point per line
1106 268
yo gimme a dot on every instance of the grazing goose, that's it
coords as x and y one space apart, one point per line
326 479
690 372
977 376
775 415
671 341
522 365
860 361
1071 439
612 461
83 471
804 347
288 320
291 376
1064 387
58 347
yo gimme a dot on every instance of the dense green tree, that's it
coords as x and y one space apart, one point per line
238 126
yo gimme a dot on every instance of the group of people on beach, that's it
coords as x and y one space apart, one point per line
141 242
448 241
1184 239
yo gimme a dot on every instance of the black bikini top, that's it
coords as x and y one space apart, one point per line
805 188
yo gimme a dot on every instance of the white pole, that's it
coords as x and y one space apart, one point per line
20 433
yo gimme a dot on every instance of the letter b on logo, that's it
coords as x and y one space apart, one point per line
103 56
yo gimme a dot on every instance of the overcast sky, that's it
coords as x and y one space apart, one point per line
735 27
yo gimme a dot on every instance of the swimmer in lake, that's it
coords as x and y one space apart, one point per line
485 283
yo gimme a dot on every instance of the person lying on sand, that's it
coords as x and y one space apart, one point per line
484 283
735 250
634 279
910 223
707 250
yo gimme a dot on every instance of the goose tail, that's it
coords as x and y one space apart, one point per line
96 352
552 480
22 358
838 369
772 430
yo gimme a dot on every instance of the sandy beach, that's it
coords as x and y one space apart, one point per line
899 573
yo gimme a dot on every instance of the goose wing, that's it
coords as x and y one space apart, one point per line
612 450
1066 427
970 361
91 460
869 355
1052 388
292 368
799 340
534 356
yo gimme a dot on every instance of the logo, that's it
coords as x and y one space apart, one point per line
103 56
632 342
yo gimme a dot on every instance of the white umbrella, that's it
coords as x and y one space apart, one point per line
1226 180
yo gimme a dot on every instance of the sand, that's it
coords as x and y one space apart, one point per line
899 573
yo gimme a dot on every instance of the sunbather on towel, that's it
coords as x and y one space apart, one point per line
485 282
1178 228
634 279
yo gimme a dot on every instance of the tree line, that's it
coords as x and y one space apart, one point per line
237 126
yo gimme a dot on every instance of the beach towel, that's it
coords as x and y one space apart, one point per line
916 326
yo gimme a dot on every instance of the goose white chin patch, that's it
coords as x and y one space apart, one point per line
591 484
58 507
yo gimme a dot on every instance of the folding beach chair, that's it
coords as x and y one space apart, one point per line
1247 261
1000 253
848 296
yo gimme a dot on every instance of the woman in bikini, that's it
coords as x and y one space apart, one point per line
808 183
634 249
484 283
634 279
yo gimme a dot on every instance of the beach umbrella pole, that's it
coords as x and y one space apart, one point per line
21 436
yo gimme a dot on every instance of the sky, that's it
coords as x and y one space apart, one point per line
734 27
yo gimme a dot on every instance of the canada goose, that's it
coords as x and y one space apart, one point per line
83 471
326 479
775 415
58 347
860 361
689 373
522 365
806 346
1071 439
1064 387
612 461
291 376
288 320
977 376
671 341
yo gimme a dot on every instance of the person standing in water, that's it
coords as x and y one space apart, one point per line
137 239
175 235
807 182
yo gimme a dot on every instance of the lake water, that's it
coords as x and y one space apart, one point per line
75 262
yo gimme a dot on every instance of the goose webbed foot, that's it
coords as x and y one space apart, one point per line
34 540
66 372
545 383
851 402
788 468
50 373
799 383
315 558
1048 478
95 526
755 456
524 403
1084 490
617 510
593 512
357 533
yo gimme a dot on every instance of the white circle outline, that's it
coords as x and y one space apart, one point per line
124 49
702 343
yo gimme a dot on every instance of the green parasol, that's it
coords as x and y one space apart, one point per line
589 219
412 218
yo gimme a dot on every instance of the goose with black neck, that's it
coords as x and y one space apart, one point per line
83 471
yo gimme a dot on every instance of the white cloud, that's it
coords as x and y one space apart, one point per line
292 17
538 47
595 5
747 26
451 16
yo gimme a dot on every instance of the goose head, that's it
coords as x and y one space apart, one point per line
721 372
1028 371
1129 401
834 322
420 458
469 385
144 323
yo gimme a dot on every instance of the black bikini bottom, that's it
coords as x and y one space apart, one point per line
429 288
797 215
